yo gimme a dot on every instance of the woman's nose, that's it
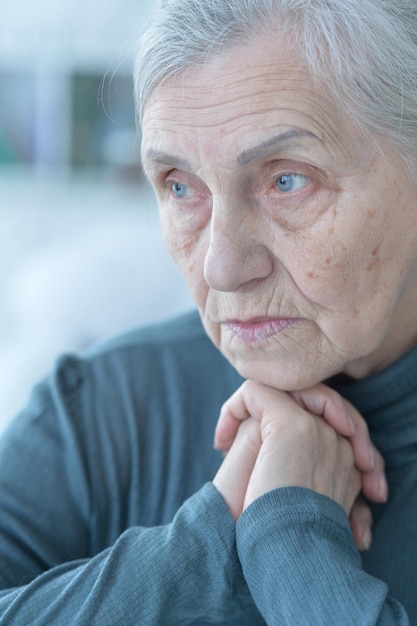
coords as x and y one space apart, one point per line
236 254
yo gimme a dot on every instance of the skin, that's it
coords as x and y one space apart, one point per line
338 256
298 241
255 402
312 438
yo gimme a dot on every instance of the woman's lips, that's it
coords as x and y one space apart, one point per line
257 330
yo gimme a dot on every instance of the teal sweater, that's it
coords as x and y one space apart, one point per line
108 515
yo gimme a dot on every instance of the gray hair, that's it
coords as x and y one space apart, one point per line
365 51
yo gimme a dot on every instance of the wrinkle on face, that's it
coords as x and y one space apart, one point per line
220 100
340 259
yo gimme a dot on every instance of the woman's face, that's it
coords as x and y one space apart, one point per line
297 238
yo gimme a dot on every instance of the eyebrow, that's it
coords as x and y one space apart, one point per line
163 158
247 156
268 146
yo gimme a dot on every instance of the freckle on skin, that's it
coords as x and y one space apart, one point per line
370 214
312 275
375 260
328 261
355 314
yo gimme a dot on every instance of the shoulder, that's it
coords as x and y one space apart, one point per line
122 418
176 356
180 341
186 327
149 380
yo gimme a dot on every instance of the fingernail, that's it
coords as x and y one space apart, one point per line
383 489
366 539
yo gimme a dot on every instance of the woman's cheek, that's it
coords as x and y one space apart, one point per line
321 273
188 253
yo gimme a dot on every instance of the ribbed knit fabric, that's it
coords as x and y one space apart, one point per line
108 516
302 566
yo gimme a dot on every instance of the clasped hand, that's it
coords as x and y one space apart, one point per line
313 439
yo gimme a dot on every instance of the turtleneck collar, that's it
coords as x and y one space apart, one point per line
388 402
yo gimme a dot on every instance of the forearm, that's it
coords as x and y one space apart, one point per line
302 567
170 574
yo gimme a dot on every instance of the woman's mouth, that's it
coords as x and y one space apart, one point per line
259 329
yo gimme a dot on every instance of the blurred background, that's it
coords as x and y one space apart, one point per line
81 256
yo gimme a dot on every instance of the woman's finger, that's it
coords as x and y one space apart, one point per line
327 403
361 524
233 476
347 421
233 411
343 417
254 399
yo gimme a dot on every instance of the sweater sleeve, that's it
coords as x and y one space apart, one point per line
302 566
52 568
171 574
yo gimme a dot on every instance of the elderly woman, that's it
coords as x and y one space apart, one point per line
280 137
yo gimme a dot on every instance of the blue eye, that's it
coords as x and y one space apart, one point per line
179 190
291 182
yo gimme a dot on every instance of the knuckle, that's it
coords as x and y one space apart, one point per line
247 388
249 430
247 385
335 397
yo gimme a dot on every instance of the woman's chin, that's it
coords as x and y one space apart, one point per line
284 376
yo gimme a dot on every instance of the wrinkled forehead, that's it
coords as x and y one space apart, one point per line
252 69
241 98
